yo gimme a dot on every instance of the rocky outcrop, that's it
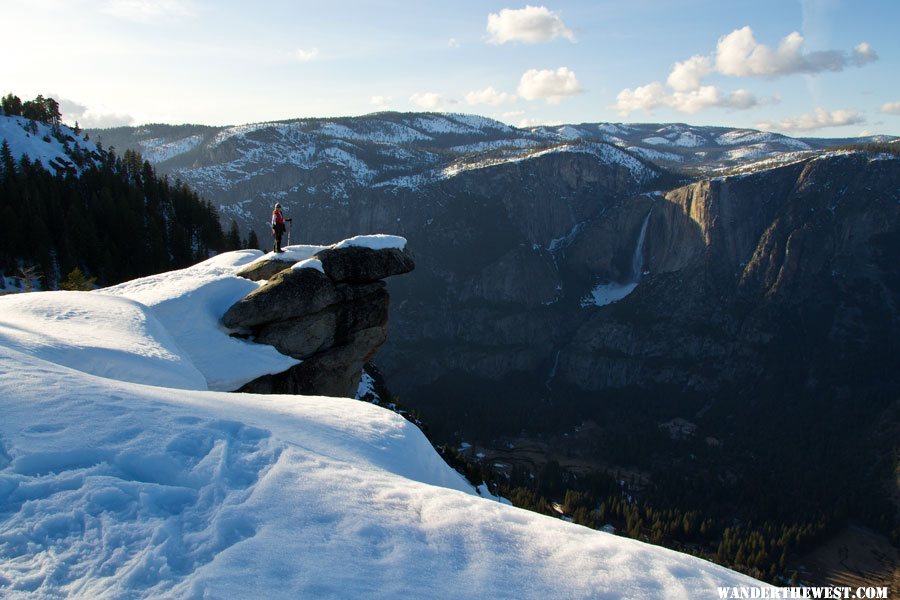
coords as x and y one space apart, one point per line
264 269
358 264
331 312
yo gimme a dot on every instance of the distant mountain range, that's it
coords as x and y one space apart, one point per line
245 169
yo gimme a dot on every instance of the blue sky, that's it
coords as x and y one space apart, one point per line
811 68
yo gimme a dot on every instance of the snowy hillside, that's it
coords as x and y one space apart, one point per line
42 143
246 168
121 475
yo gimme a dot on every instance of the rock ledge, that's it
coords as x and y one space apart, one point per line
333 319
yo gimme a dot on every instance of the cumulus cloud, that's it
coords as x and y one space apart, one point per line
548 84
687 75
646 97
427 100
145 11
817 120
862 54
709 96
452 43
91 118
737 54
891 108
654 95
740 55
380 101
489 96
531 25
306 55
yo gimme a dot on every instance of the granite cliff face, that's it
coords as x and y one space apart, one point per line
739 266
330 311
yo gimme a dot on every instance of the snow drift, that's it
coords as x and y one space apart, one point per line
122 475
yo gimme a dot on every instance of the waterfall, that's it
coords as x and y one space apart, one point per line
553 370
607 293
637 259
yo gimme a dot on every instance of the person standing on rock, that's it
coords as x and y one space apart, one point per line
278 221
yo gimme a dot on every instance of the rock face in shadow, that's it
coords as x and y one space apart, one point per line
746 275
289 294
333 321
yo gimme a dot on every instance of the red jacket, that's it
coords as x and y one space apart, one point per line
277 218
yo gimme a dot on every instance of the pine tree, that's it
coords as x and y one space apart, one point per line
252 241
233 238
7 162
77 281
117 222
12 105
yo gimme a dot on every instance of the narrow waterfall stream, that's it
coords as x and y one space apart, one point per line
607 293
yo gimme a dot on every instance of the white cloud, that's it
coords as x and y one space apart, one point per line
819 119
709 96
743 99
645 97
427 100
531 24
740 55
306 55
380 101
863 53
91 118
737 54
144 11
687 75
548 84
453 43
891 108
489 96
654 95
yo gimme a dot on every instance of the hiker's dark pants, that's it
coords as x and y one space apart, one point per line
278 231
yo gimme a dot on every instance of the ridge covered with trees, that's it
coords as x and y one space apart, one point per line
111 218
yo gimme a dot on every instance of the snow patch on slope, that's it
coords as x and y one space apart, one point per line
376 131
98 334
40 146
744 136
688 139
603 152
654 155
190 304
494 145
751 152
158 150
657 141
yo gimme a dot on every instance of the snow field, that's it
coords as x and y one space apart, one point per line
190 304
103 335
